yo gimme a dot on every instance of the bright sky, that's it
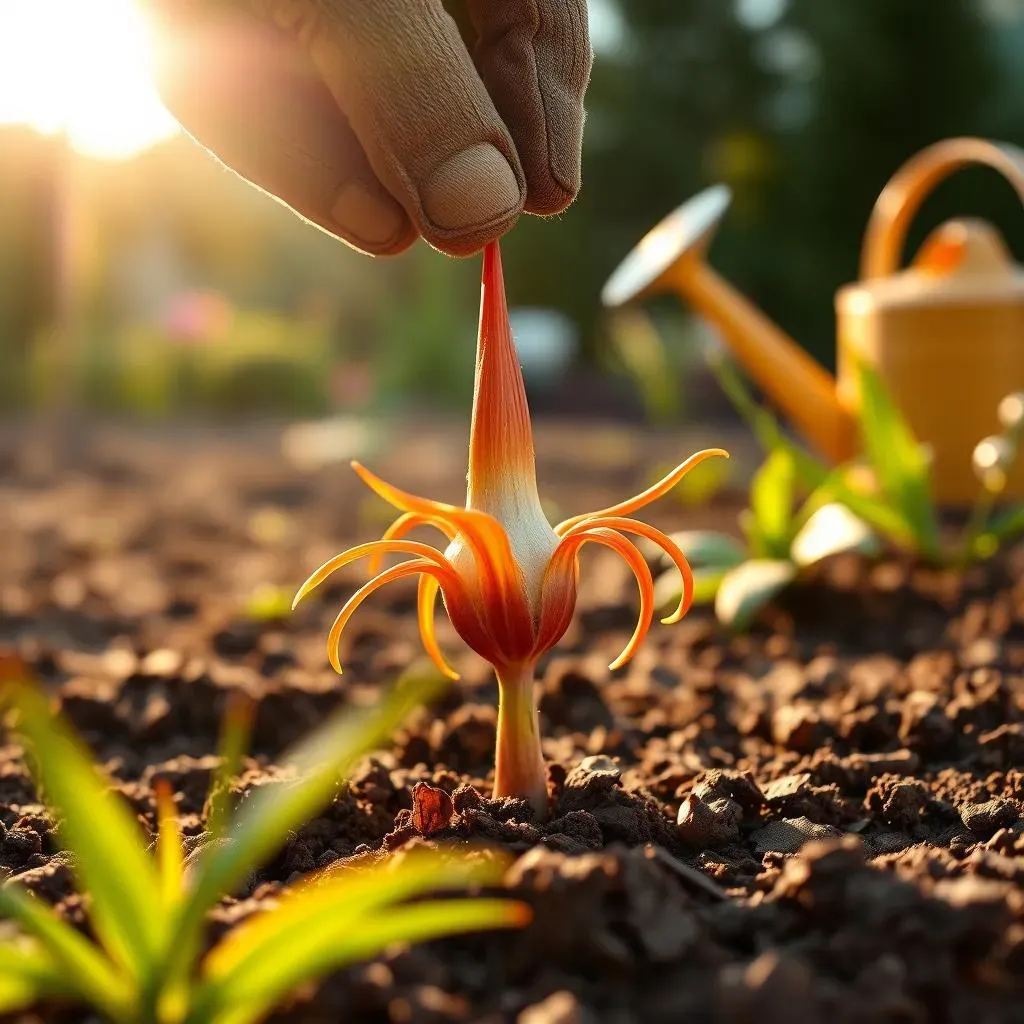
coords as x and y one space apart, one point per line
80 66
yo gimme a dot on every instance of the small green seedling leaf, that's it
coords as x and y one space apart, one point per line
705 548
82 967
668 587
813 474
832 530
877 513
235 738
28 974
749 588
898 458
772 494
1007 524
109 849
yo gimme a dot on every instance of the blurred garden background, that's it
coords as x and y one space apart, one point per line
139 279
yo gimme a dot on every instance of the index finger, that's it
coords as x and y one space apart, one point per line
535 59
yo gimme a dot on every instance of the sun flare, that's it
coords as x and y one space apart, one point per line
80 67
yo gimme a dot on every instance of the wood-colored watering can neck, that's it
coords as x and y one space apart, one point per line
671 258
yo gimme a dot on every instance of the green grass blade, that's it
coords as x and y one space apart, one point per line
96 826
642 351
878 514
28 975
274 811
236 736
170 853
331 948
887 520
897 458
1006 524
324 924
338 896
731 382
772 497
83 968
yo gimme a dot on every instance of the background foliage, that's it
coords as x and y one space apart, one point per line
804 107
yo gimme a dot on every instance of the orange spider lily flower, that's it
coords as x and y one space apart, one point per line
507 577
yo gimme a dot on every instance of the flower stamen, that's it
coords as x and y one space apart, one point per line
405 524
426 598
632 557
651 533
655 491
374 548
397 572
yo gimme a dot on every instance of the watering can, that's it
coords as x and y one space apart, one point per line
945 334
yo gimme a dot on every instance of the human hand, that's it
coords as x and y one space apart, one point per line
371 119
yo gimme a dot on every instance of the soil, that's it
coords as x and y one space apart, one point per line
822 820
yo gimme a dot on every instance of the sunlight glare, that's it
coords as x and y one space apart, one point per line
80 66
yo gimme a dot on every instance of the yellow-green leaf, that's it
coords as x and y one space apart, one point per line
82 968
96 826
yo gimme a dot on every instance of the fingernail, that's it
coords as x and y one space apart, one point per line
471 188
365 216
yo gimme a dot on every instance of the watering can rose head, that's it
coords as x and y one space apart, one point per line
508 578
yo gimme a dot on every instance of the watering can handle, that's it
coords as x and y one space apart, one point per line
908 187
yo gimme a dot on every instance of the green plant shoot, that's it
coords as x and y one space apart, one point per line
898 505
148 913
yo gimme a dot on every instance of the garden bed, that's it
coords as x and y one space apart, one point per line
823 819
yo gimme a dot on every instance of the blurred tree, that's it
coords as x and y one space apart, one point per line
28 236
679 97
871 83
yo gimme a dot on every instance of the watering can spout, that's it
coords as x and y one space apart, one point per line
671 258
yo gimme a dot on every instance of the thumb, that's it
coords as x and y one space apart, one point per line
246 90
400 72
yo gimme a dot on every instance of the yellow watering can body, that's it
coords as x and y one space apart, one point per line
946 335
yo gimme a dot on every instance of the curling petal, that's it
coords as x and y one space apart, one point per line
397 572
662 540
405 523
652 493
377 547
632 557
483 533
425 598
